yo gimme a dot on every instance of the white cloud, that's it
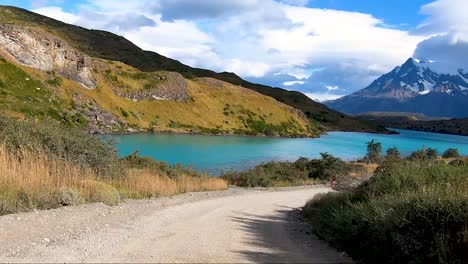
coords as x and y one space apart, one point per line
332 88
445 16
246 68
321 97
291 83
57 13
257 38
448 47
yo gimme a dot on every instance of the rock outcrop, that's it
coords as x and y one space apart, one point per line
40 50
99 120
171 87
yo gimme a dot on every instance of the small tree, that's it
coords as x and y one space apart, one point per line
393 154
374 152
451 153
431 154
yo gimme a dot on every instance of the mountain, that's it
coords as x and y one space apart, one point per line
43 74
418 86
103 45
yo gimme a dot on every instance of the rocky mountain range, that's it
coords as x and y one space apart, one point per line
417 86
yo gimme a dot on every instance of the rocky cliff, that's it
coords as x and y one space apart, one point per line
45 52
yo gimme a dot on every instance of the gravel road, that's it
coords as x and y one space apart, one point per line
237 225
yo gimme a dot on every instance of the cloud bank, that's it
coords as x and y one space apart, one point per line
281 43
448 25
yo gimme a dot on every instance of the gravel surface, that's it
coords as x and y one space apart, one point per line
237 225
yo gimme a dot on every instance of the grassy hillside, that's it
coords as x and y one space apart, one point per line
212 106
105 45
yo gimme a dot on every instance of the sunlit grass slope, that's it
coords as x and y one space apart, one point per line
213 106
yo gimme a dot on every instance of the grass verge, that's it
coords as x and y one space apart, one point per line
45 166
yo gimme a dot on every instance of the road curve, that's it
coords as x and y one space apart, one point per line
238 227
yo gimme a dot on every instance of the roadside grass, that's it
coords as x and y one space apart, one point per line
410 211
31 180
45 165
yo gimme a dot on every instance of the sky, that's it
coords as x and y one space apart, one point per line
323 48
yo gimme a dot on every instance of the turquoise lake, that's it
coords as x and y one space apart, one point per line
214 154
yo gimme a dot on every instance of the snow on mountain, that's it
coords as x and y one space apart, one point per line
417 77
415 85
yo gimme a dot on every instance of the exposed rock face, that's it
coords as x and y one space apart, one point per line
45 52
172 87
99 120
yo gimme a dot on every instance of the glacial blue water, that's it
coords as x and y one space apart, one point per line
214 154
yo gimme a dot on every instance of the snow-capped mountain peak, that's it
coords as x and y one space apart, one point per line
417 81
416 77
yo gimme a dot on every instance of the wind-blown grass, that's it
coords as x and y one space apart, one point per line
32 180
45 165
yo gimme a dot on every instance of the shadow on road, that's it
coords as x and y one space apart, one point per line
284 238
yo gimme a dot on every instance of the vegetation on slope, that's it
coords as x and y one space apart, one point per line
46 165
410 122
210 108
111 47
411 211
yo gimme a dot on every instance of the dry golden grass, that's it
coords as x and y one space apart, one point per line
142 183
31 180
363 170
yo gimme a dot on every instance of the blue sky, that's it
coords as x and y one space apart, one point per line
324 48
399 13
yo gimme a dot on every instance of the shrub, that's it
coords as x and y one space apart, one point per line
327 168
424 154
61 142
301 172
458 162
374 152
101 192
393 154
409 212
451 153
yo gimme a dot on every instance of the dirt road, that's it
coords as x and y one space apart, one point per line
233 226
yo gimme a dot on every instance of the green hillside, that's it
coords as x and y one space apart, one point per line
108 46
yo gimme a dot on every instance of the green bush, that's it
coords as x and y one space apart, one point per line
393 154
424 154
451 153
290 173
409 212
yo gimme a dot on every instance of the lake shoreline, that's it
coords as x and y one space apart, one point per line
215 153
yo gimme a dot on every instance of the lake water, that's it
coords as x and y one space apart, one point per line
214 154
